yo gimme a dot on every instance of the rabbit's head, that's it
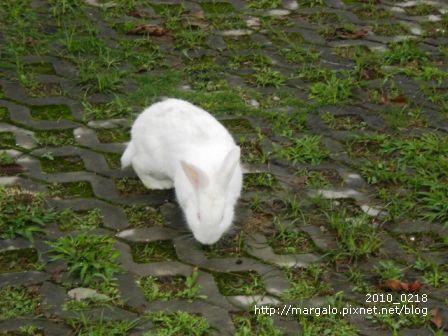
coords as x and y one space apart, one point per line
209 213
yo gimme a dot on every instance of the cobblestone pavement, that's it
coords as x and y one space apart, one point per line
340 108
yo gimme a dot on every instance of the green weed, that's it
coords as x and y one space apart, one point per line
333 90
178 323
5 159
70 220
55 138
422 9
311 3
143 216
266 76
307 149
305 283
216 7
50 164
247 325
435 201
372 12
433 274
23 214
357 235
321 324
60 8
88 256
348 122
390 29
16 302
171 288
395 322
288 240
67 190
300 55
263 4
87 326
402 53
259 181
162 250
242 283
387 269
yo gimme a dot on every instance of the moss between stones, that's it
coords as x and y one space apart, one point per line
263 4
318 178
55 138
320 18
51 112
228 246
140 216
162 288
247 323
113 135
113 160
367 148
93 326
291 242
129 186
259 221
40 68
390 29
239 125
419 242
433 29
422 9
71 190
344 122
217 7
251 151
168 10
45 89
162 250
229 23
241 42
18 260
239 283
306 283
62 164
7 140
404 117
368 12
4 114
70 220
179 323
263 181
26 331
16 302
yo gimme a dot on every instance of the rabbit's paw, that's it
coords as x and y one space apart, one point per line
152 183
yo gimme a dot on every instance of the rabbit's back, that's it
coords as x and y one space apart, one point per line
174 130
177 119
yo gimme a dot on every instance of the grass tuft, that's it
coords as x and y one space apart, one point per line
90 257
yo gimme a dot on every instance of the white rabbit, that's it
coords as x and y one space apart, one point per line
174 143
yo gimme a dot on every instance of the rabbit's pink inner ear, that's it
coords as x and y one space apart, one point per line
195 175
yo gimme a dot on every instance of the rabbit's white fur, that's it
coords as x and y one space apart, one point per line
176 144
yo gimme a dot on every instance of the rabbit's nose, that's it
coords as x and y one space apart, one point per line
207 239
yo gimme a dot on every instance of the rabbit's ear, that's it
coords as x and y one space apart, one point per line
228 165
196 176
